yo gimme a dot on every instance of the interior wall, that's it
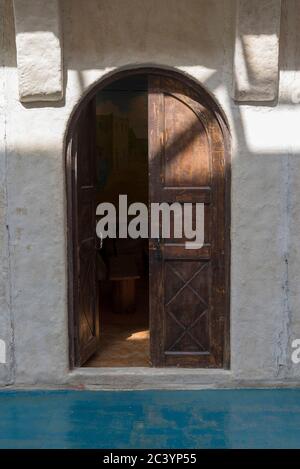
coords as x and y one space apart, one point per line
196 37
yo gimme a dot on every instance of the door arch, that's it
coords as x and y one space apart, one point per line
178 102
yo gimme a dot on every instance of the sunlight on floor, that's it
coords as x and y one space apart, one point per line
121 347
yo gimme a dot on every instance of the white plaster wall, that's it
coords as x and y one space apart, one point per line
195 36
6 329
290 92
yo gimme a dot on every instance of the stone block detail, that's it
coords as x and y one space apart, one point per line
39 50
255 68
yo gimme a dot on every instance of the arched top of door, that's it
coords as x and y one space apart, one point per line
204 96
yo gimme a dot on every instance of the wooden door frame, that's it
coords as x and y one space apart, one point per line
208 101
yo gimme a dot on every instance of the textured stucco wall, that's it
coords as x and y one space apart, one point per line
6 315
196 37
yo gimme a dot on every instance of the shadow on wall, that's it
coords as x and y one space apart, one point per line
134 31
196 36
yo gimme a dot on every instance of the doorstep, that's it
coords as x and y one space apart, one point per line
150 378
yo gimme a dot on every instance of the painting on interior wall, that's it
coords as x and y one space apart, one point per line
122 144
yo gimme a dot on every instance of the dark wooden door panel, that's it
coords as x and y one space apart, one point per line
184 139
187 287
85 285
187 294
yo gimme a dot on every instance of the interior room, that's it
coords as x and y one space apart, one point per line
122 264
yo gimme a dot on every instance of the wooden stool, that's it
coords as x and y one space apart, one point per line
124 273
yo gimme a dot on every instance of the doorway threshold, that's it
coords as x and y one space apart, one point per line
150 378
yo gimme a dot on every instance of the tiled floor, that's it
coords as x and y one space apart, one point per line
150 419
124 338
122 346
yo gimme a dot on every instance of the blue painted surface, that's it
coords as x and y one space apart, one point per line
150 419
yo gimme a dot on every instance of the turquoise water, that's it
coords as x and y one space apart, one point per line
150 419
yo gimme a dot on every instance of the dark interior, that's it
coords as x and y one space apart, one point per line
122 264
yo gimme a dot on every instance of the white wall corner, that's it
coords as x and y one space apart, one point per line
39 50
256 50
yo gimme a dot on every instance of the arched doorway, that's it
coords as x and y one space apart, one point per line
187 163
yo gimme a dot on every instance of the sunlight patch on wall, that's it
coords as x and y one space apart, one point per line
2 352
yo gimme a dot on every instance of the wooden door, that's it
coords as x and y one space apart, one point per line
84 292
188 288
